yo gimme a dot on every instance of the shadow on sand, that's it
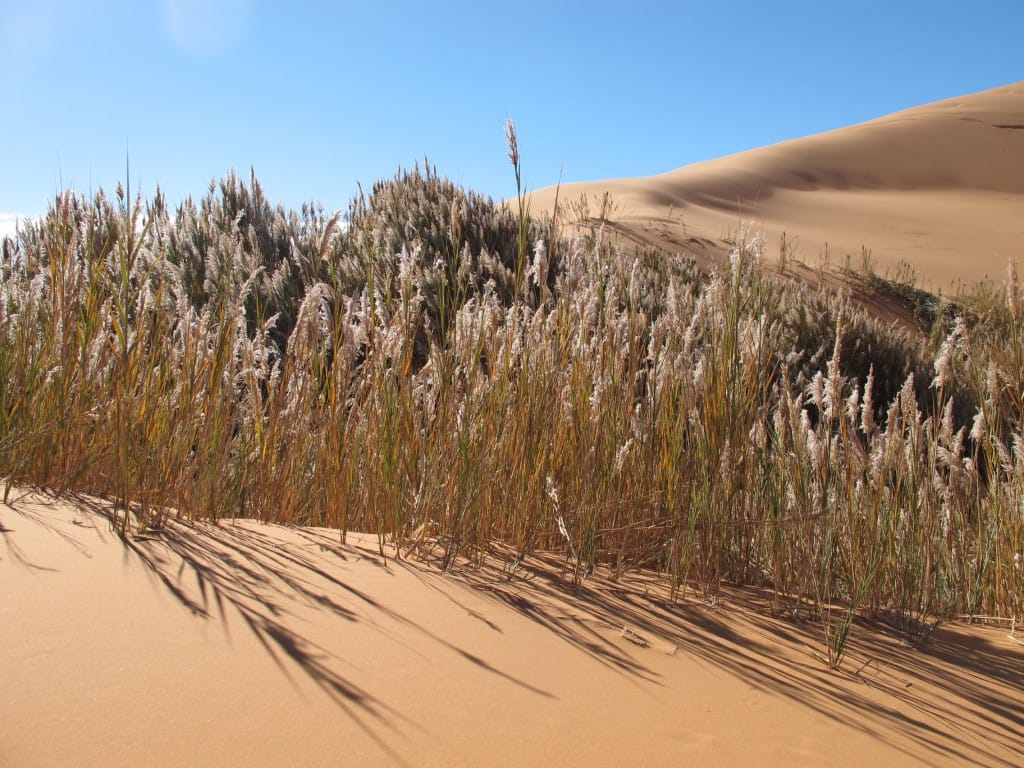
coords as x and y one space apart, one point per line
960 697
264 576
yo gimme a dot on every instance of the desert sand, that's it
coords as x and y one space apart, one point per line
258 645
243 644
938 187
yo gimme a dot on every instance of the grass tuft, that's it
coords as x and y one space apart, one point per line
435 369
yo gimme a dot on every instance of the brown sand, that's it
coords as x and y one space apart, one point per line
940 187
255 645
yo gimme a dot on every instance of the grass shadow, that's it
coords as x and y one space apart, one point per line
959 696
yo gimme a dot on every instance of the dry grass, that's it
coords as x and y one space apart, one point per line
434 371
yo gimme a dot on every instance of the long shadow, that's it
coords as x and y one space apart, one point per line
966 700
215 570
210 568
959 697
258 577
12 548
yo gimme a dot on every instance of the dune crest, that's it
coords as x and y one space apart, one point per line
938 187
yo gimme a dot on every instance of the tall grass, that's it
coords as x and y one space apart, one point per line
432 369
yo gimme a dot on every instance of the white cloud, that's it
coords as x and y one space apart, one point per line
9 223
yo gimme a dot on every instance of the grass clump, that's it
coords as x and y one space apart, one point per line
430 368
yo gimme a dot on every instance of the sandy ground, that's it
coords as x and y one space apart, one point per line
939 187
254 645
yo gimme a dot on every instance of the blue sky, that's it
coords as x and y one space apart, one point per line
319 96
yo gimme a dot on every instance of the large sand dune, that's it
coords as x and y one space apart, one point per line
939 187
251 645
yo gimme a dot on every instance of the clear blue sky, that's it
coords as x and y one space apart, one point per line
317 96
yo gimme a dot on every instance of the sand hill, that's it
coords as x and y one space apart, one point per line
938 187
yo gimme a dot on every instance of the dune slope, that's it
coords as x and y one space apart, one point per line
939 187
247 644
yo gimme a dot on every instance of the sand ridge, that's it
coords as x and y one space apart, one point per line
250 644
938 187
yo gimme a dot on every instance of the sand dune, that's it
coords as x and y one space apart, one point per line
257 645
245 644
940 187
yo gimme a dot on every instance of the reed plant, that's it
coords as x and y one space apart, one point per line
433 368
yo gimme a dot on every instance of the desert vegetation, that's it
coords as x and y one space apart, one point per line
450 374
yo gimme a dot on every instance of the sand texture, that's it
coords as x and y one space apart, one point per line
938 187
256 645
